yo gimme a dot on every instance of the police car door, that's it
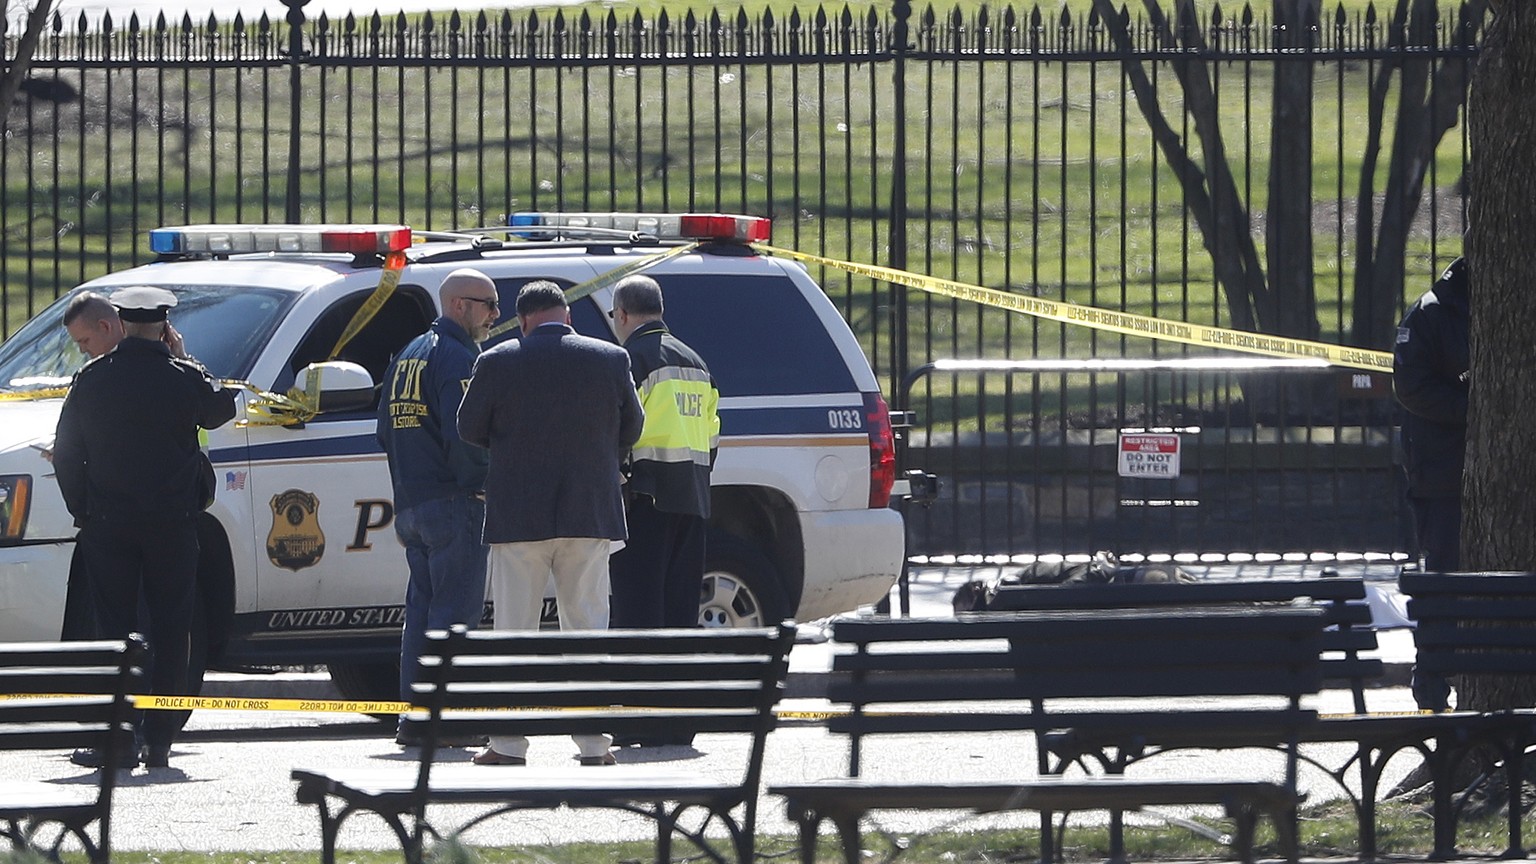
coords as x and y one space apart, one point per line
328 563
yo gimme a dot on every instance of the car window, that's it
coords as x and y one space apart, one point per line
758 334
224 327
406 315
586 318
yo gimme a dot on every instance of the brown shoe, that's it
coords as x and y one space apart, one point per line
605 759
491 757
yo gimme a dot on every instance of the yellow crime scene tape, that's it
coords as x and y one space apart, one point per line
1127 323
389 280
605 279
35 395
347 706
352 706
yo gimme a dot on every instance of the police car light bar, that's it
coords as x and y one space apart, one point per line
232 239
662 226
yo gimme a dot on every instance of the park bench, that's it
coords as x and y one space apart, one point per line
1441 740
1342 601
1348 637
1038 672
1476 624
63 695
649 683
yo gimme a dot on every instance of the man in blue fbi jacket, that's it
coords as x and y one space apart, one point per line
438 478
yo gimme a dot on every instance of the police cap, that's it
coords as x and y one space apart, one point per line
143 303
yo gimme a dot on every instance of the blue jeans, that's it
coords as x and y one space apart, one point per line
447 563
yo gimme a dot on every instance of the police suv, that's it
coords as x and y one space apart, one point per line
300 563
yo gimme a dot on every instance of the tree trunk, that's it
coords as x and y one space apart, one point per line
17 69
1500 511
1288 228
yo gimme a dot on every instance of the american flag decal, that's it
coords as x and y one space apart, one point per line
234 480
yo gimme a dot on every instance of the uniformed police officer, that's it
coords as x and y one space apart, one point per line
133 476
1430 376
1430 364
656 577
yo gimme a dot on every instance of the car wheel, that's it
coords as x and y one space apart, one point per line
741 586
366 682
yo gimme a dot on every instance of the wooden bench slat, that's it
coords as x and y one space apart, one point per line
469 784
857 795
960 662
29 679
1266 724
1418 584
650 673
728 694
1436 635
1077 624
1489 608
1021 597
642 642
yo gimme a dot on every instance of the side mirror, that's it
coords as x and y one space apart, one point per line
336 385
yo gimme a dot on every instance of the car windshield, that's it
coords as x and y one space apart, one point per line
223 327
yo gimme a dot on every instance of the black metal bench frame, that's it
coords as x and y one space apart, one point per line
1476 624
63 695
1050 662
646 682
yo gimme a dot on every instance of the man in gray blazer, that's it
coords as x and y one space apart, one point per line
558 412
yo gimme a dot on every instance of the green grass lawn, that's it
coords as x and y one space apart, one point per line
1327 831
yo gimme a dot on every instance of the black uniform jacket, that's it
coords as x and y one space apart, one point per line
127 445
1428 364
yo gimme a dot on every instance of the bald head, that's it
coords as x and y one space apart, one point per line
469 300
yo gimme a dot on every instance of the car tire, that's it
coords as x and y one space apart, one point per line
366 682
741 587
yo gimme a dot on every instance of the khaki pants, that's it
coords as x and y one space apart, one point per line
519 573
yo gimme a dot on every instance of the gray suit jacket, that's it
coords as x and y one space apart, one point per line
558 411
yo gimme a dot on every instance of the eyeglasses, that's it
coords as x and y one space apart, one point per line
490 302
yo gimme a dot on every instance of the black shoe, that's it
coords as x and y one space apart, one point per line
156 757
90 757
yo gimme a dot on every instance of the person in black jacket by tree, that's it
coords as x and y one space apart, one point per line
1430 365
1430 377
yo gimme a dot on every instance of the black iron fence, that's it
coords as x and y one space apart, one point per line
1295 176
1155 457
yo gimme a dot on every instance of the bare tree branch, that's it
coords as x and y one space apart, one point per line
1429 106
16 70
